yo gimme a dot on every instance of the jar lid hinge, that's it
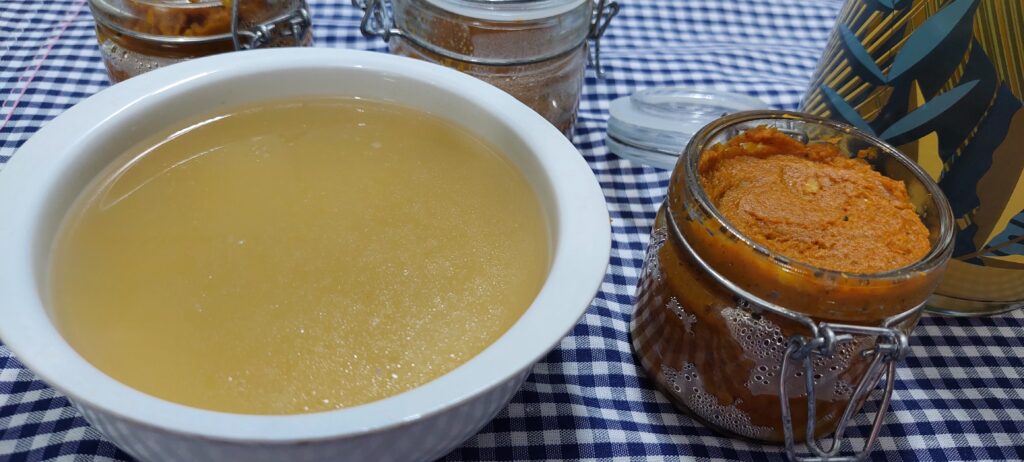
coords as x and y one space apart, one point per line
603 14
295 24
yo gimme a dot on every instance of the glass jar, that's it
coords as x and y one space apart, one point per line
726 328
536 50
136 36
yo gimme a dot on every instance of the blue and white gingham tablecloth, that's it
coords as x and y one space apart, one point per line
959 395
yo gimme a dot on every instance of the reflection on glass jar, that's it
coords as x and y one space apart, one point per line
535 50
136 36
725 327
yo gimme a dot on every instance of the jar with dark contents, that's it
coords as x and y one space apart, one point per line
536 50
764 347
136 36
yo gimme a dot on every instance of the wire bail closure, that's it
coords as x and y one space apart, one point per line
891 346
294 24
604 11
378 21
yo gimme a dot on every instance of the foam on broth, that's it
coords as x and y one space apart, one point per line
297 256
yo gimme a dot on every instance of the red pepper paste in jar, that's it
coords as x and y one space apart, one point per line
805 227
812 203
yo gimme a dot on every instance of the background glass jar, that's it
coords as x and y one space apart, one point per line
536 50
136 36
761 347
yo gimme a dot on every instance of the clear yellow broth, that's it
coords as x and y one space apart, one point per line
297 256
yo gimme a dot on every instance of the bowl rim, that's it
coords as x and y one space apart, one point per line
581 241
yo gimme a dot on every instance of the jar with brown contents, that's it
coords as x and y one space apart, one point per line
136 36
783 277
535 50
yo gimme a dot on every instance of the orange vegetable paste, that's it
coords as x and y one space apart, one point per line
812 203
718 358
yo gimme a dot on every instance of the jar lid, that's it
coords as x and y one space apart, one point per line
653 125
508 10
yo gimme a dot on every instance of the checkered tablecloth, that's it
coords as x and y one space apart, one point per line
959 395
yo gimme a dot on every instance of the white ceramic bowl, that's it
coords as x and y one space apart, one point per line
51 169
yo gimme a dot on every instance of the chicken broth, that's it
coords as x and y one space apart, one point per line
297 256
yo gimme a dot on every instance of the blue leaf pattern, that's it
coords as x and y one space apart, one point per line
883 5
936 47
920 122
842 111
960 183
860 60
962 119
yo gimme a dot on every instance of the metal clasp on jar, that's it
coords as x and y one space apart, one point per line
378 21
890 347
294 24
603 14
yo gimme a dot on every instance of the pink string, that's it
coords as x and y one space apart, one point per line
40 58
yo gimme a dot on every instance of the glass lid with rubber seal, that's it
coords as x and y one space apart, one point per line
653 125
